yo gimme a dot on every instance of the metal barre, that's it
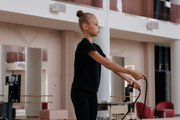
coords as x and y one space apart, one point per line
123 96
30 102
33 95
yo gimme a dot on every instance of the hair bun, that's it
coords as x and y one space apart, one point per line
79 13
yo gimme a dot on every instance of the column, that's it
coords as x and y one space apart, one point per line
104 88
150 74
103 40
68 43
2 69
175 76
117 83
33 58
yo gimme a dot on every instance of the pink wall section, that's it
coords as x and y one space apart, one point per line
26 36
135 50
143 55
148 8
61 47
69 43
20 56
175 13
135 7
15 57
113 5
86 2
97 3
118 47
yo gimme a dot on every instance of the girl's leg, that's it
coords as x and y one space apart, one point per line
80 102
93 106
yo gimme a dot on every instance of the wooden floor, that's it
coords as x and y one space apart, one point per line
119 118
23 118
175 118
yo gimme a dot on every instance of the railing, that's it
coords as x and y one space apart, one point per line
155 9
90 3
33 96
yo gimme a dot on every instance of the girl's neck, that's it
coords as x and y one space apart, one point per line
90 38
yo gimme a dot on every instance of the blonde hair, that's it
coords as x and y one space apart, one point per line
83 18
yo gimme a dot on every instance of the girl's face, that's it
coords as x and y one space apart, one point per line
93 28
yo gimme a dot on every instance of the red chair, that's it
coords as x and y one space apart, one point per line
165 105
148 112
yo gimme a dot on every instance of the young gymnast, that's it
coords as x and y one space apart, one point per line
87 69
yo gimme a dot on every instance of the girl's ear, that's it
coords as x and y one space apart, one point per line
85 26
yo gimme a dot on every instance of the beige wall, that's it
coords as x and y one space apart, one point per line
61 47
143 54
69 43
60 66
26 36
118 48
117 83
126 48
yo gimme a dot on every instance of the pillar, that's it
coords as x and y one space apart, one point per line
69 41
117 83
175 76
33 58
149 73
2 69
103 40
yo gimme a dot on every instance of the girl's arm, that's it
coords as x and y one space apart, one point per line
115 67
128 79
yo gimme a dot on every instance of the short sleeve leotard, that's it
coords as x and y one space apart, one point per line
87 71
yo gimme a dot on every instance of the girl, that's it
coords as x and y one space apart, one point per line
87 69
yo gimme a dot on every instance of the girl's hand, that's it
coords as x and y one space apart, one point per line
134 84
137 75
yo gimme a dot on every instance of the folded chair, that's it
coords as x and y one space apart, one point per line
148 112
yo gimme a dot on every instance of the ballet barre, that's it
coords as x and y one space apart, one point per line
32 101
122 96
33 95
114 107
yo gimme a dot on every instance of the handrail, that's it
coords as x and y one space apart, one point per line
34 102
123 96
33 95
36 95
119 102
